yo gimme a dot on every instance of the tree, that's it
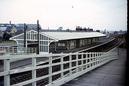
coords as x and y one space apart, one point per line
97 30
78 28
60 28
6 36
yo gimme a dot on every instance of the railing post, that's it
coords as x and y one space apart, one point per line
92 60
82 58
6 69
50 69
89 59
86 59
95 58
14 50
91 54
81 62
70 64
61 66
77 62
34 70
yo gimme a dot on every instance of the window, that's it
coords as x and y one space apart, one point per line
40 37
43 43
45 48
35 36
61 44
45 38
41 48
72 44
28 35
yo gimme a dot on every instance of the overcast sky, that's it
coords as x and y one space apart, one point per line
96 14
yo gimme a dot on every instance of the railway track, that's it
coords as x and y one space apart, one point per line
20 77
105 47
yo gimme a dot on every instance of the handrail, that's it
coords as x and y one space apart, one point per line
84 63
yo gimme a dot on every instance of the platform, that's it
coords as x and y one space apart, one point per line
110 74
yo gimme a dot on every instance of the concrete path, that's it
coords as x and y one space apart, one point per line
110 74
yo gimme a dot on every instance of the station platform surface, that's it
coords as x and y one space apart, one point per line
110 74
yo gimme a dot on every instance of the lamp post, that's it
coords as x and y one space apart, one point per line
38 36
25 28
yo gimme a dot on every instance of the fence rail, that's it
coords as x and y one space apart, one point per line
60 70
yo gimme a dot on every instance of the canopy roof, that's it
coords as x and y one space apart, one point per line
73 35
62 35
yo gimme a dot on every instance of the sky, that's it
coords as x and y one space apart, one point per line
97 14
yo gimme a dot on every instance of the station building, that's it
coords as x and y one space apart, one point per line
56 42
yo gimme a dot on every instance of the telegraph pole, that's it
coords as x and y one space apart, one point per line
38 36
25 28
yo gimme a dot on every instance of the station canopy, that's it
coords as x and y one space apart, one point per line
62 35
73 35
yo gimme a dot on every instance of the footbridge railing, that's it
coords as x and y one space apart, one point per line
59 68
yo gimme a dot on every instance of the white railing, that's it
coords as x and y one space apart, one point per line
69 66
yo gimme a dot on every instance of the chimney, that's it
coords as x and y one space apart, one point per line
10 22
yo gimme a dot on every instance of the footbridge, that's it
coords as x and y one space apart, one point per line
56 69
110 74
